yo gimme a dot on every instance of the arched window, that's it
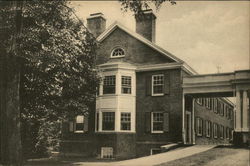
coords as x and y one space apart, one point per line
117 52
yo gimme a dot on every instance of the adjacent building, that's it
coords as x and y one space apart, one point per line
140 106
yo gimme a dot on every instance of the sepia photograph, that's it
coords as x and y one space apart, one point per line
125 83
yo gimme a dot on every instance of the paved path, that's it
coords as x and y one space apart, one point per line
154 159
241 158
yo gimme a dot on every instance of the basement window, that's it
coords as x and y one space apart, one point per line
107 152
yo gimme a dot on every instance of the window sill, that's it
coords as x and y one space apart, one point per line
160 94
79 132
114 57
157 132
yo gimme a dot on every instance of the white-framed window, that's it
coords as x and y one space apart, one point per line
221 132
227 133
117 52
215 105
108 121
157 122
215 130
126 121
209 103
199 101
79 124
109 83
158 85
199 127
126 85
208 128
107 152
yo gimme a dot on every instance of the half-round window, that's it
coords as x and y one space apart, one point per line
118 52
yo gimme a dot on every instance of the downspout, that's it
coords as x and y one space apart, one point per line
183 119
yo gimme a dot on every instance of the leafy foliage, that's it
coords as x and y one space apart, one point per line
137 6
58 79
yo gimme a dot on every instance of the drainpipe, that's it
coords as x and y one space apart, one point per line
183 119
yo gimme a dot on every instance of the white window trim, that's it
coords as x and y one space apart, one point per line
208 128
79 131
121 121
152 117
152 85
122 75
215 136
198 125
111 55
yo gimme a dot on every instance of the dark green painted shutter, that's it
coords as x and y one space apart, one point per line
148 121
86 123
148 85
166 121
71 126
65 127
167 83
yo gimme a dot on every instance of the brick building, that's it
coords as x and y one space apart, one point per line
139 107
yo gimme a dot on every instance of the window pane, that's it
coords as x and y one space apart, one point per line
125 121
158 81
126 84
109 85
118 52
79 123
108 120
157 121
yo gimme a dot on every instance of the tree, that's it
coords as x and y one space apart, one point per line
58 79
137 6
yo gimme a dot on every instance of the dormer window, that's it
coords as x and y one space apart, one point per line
117 52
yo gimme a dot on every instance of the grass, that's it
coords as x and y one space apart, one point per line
204 157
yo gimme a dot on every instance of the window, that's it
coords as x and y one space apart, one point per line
108 121
222 107
157 122
79 124
227 133
199 126
157 84
215 106
126 84
109 85
215 130
208 128
221 131
117 52
107 152
208 103
125 121
199 101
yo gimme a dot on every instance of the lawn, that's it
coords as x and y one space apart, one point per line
205 157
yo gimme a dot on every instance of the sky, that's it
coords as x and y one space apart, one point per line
210 36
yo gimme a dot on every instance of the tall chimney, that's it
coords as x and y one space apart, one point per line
96 23
145 24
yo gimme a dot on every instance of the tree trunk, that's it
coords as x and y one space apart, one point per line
10 138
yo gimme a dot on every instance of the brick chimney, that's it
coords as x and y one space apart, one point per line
96 23
145 24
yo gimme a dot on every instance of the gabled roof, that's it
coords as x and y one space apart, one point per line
116 24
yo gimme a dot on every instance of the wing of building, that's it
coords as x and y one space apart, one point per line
139 108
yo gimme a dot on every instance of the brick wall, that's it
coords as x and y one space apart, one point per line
136 51
171 103
209 114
